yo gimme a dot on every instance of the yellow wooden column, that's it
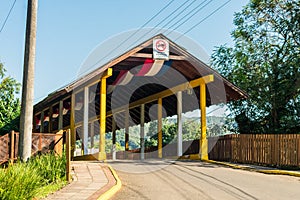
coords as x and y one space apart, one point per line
159 127
102 154
203 139
203 144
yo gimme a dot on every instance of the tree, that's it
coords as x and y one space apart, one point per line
264 62
169 133
9 104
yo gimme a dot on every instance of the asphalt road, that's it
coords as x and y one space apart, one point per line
196 180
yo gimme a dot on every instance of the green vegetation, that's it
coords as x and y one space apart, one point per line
190 131
9 104
264 62
36 178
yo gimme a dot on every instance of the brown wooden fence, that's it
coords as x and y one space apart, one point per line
264 149
280 150
41 142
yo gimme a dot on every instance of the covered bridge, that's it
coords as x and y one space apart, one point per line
155 74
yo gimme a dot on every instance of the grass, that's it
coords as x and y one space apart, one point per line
48 189
19 181
36 178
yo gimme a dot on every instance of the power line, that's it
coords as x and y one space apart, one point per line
192 13
170 16
164 20
198 10
130 36
11 8
216 10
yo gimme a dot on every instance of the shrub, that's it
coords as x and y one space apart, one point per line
27 180
52 168
19 181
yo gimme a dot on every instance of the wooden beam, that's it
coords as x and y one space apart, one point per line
60 116
148 55
107 73
165 93
42 122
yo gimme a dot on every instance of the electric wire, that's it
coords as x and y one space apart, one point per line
167 18
10 10
192 14
183 22
205 18
130 36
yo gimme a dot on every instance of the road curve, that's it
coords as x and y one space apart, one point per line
197 180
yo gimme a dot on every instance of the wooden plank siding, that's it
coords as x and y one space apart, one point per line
41 143
262 149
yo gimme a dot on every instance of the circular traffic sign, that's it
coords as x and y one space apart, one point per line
161 45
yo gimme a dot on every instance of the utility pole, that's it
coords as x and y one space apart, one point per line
26 117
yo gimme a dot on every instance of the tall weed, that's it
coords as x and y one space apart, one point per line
25 180
51 167
19 181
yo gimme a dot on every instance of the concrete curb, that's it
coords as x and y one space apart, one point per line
114 189
264 171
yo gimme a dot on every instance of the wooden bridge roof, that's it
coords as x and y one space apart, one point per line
185 67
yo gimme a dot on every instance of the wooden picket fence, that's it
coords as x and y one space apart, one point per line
278 150
41 142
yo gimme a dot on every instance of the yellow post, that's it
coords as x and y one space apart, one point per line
159 127
102 154
203 140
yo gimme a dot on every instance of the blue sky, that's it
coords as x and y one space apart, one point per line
68 31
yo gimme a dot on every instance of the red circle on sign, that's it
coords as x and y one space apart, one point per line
161 45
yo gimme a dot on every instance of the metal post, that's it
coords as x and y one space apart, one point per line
142 132
85 121
159 127
72 125
68 154
179 123
113 138
127 130
92 136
